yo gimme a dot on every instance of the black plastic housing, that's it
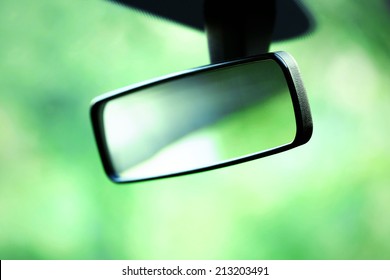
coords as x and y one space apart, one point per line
303 120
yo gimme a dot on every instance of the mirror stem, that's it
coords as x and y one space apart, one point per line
238 29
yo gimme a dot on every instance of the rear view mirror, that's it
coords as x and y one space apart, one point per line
201 119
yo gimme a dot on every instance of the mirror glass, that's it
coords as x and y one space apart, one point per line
198 120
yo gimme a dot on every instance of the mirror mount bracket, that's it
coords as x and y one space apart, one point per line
238 29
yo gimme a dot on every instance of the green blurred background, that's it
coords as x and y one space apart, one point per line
329 199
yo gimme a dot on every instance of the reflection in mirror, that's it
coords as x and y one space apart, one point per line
197 120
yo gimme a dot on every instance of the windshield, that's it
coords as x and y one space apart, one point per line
327 199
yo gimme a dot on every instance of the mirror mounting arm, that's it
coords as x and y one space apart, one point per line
238 29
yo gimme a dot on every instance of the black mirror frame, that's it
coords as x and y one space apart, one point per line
304 125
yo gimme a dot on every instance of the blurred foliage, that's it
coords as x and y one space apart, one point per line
329 199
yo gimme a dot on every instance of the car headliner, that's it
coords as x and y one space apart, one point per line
292 18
